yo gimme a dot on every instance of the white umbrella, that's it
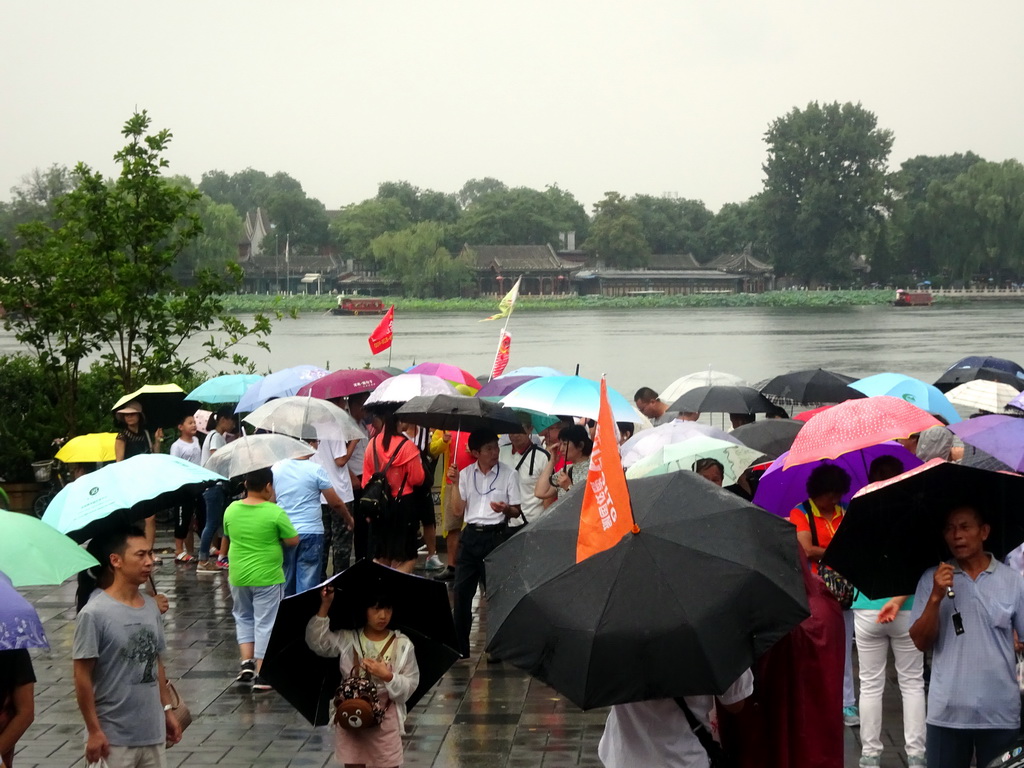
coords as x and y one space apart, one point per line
305 417
643 444
682 456
708 378
252 452
405 386
982 395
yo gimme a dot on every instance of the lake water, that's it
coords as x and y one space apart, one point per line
654 347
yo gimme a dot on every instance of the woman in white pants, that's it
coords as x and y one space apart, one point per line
879 625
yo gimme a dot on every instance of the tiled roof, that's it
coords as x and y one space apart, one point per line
523 258
740 263
672 261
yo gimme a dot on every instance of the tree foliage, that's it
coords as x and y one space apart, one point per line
617 233
417 258
674 225
355 228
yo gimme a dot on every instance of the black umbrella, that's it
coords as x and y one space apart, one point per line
772 437
723 398
893 533
812 387
961 374
459 413
638 621
163 405
421 611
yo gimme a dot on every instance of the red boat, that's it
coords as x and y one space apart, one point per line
912 299
359 306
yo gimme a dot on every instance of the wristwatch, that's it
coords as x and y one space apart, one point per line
168 707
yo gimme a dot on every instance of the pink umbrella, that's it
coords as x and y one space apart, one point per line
447 372
345 383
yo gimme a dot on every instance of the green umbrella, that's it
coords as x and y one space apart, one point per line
33 553
680 456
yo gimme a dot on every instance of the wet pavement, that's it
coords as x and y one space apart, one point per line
479 715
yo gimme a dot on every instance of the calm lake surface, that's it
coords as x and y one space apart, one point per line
654 347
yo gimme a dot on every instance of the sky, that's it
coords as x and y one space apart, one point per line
637 96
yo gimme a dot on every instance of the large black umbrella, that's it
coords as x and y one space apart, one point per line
811 387
681 608
893 533
723 398
421 611
772 437
979 367
164 405
459 413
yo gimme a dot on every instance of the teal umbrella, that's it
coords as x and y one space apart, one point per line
33 553
125 492
676 457
914 391
228 388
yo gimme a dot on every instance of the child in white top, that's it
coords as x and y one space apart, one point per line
186 447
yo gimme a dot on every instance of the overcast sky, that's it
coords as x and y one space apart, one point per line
655 96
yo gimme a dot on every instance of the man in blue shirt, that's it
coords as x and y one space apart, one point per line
974 699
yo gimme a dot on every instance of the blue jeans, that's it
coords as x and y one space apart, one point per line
302 564
255 610
954 747
216 501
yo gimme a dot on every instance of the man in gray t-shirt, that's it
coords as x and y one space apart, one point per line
119 677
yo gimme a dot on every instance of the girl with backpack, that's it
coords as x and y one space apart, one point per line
385 658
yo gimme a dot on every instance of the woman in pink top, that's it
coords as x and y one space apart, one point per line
393 537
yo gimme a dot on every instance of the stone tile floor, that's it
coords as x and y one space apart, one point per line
479 715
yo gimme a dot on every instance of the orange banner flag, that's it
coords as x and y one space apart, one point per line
606 515
383 334
501 359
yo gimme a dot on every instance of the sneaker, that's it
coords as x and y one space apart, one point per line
851 716
434 563
448 574
247 672
207 568
259 684
184 557
869 761
222 563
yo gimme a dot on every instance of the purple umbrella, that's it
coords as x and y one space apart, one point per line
1017 402
283 383
20 626
501 387
998 436
781 490
345 383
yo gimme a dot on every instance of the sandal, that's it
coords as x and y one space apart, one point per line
184 557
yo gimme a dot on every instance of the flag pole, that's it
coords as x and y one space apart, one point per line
501 336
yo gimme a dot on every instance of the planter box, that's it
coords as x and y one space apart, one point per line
23 495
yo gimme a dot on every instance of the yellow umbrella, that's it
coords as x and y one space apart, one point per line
162 404
98 446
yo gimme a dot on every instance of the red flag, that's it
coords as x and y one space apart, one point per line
382 335
606 515
501 359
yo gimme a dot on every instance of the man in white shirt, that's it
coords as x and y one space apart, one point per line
485 495
528 460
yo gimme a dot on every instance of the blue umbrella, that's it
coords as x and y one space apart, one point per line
224 389
125 492
569 396
533 370
20 626
914 391
284 383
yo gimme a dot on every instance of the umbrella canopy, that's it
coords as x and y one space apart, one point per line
84 449
33 553
892 532
162 404
985 368
806 416
345 383
459 413
857 424
502 386
283 383
451 373
1017 404
814 386
125 492
782 489
723 398
533 370
421 611
649 441
772 437
252 452
982 395
914 391
998 436
614 628
682 456
20 626
406 386
569 396
228 388
707 378
296 416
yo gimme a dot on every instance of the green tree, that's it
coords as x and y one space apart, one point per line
734 227
34 200
356 226
824 187
519 216
674 225
217 244
101 281
617 233
417 258
474 189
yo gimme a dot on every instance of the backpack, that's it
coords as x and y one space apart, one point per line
356 705
376 496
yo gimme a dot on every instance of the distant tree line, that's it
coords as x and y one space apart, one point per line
829 204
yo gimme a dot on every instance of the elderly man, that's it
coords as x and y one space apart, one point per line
966 611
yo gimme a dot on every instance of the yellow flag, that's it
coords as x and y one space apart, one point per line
505 305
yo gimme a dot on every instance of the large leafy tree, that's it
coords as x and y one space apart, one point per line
824 187
356 226
101 282
674 225
417 258
519 216
736 226
617 233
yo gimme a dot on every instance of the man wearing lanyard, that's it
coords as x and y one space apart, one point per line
485 494
528 460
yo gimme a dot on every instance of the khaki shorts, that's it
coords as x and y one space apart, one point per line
137 757
451 522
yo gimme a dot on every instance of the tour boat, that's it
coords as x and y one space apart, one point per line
912 299
359 306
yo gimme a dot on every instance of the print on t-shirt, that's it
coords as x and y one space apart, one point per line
141 648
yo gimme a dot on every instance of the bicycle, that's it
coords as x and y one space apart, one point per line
55 474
